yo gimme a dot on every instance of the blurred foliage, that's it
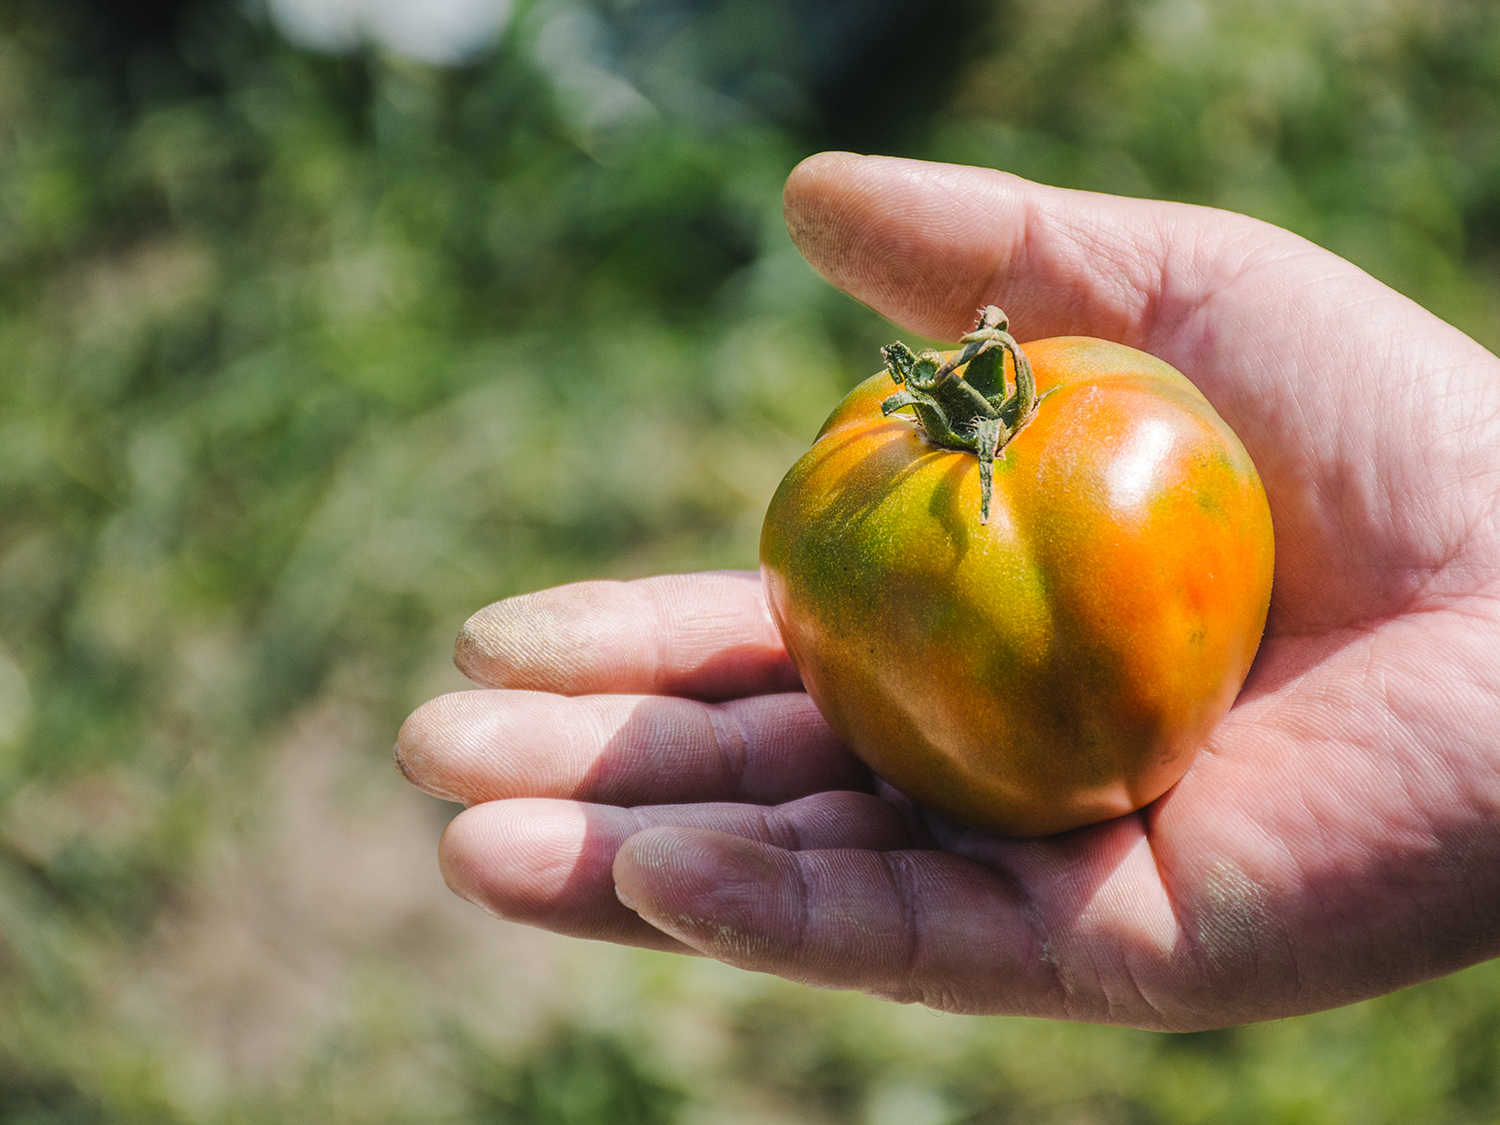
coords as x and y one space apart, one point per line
305 357
1371 128
574 1077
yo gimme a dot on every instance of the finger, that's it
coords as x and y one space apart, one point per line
548 863
478 746
912 926
705 636
929 244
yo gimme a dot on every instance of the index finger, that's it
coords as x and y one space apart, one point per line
700 636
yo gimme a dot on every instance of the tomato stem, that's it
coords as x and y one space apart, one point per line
962 403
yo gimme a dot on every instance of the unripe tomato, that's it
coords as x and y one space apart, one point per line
1050 655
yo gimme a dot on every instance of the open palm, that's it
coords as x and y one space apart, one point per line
649 772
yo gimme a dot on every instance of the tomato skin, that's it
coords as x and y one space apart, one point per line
1061 664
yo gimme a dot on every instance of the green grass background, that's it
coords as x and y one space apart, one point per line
305 357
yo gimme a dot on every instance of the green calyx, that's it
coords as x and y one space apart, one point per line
963 404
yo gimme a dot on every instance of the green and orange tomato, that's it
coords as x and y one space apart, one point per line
1045 648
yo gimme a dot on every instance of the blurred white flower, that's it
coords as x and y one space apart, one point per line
440 32
572 48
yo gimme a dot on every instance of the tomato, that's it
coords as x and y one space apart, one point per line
1044 643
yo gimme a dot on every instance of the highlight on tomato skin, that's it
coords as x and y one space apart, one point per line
1059 661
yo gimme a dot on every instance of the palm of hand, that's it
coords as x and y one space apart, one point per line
1335 840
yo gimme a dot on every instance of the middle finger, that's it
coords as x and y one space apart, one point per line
476 746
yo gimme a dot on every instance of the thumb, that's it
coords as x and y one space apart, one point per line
928 244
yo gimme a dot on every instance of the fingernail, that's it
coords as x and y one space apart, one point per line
401 763
702 887
426 787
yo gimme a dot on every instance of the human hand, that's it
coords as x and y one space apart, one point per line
1337 838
